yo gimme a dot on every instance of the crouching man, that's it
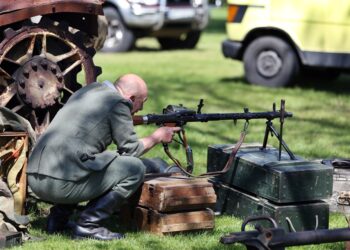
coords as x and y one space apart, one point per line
70 163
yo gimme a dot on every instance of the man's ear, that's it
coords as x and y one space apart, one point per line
132 98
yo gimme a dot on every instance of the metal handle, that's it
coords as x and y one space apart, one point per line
258 218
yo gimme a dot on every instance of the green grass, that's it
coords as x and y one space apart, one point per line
319 129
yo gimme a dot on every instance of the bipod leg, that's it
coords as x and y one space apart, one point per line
282 142
266 136
282 111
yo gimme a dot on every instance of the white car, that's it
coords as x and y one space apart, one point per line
177 24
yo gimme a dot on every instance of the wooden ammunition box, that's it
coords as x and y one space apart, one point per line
258 171
166 223
300 216
168 194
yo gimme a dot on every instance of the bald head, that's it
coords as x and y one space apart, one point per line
131 85
134 88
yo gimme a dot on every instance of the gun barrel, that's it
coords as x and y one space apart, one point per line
312 237
183 118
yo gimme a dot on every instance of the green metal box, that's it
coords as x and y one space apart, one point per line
296 216
259 172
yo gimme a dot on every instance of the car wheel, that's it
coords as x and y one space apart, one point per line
119 38
191 39
186 41
270 61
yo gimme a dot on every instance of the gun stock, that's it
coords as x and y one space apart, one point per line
138 120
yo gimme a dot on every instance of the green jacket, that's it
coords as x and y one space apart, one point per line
75 142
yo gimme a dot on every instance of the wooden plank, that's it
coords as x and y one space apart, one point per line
165 223
182 227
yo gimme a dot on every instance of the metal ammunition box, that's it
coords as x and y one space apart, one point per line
299 217
258 171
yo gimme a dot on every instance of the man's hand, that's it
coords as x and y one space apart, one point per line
162 134
165 134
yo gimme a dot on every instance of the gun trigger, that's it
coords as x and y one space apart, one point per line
235 122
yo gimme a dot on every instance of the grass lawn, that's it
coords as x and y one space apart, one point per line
319 129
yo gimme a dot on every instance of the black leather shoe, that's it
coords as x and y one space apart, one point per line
58 219
88 224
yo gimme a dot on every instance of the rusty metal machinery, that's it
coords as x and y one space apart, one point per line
43 62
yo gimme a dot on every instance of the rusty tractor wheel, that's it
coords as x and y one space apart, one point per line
41 65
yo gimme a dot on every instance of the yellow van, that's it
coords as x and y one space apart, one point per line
279 39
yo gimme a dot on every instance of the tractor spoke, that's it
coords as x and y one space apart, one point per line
75 64
5 74
17 62
9 66
30 50
17 108
61 57
6 96
29 53
44 45
68 90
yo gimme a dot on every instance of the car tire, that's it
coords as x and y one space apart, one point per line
271 62
119 38
187 41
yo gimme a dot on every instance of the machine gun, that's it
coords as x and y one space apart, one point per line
178 116
174 115
276 238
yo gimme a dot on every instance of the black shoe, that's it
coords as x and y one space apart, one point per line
88 224
58 219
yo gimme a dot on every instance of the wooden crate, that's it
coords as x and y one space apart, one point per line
167 223
169 194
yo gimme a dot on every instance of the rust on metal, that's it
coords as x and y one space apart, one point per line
13 133
45 59
8 92
41 88
13 11
41 63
